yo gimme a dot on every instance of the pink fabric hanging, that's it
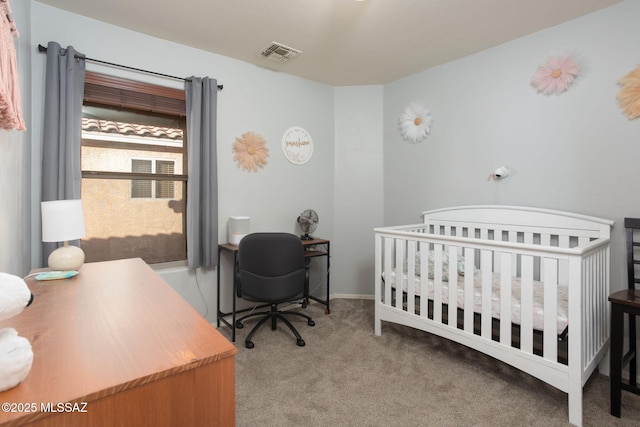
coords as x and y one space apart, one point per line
10 108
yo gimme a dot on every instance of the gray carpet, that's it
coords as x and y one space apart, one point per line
346 376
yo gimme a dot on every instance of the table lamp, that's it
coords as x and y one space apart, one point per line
62 221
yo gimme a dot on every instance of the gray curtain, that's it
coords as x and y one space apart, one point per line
64 88
202 187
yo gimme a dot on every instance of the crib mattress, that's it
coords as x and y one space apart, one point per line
516 306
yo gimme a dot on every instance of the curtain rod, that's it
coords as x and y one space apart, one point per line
43 49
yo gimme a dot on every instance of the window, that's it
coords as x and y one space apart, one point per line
146 188
134 170
141 188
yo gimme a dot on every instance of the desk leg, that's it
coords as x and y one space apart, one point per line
218 291
220 315
233 297
617 332
632 350
328 310
307 267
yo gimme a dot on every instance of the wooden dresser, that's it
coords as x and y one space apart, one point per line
117 346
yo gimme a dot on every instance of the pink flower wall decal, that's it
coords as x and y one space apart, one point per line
556 75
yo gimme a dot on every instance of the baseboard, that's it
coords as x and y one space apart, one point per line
351 296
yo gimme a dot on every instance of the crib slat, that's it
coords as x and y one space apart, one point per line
528 238
550 341
388 250
588 308
593 329
505 299
411 276
545 240
583 240
424 280
437 283
469 269
603 294
486 317
526 305
460 233
590 313
513 238
453 287
497 235
578 359
400 250
563 269
603 306
594 313
603 278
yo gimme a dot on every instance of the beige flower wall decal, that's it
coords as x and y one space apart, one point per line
629 95
250 152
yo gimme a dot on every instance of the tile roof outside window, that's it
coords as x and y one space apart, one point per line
120 128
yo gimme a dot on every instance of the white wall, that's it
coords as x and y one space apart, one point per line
573 152
15 230
358 180
253 99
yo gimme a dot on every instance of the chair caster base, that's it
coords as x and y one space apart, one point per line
250 344
239 325
300 342
311 323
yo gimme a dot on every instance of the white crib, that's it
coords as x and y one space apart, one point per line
544 270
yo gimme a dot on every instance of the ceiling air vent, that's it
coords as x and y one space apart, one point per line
279 53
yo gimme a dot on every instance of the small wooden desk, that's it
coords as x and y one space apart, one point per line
121 340
311 251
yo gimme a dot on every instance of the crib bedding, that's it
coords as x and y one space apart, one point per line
516 286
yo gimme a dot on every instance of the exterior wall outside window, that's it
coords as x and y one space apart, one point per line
119 226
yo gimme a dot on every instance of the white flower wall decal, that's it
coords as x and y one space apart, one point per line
415 122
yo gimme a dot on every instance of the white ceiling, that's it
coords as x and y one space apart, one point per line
343 42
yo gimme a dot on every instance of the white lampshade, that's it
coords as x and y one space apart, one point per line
63 220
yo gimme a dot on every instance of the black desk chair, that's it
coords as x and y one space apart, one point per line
271 269
625 301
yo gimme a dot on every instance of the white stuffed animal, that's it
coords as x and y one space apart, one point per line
16 355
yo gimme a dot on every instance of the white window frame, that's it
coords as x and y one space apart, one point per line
153 161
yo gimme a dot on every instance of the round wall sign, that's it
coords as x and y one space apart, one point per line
297 145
